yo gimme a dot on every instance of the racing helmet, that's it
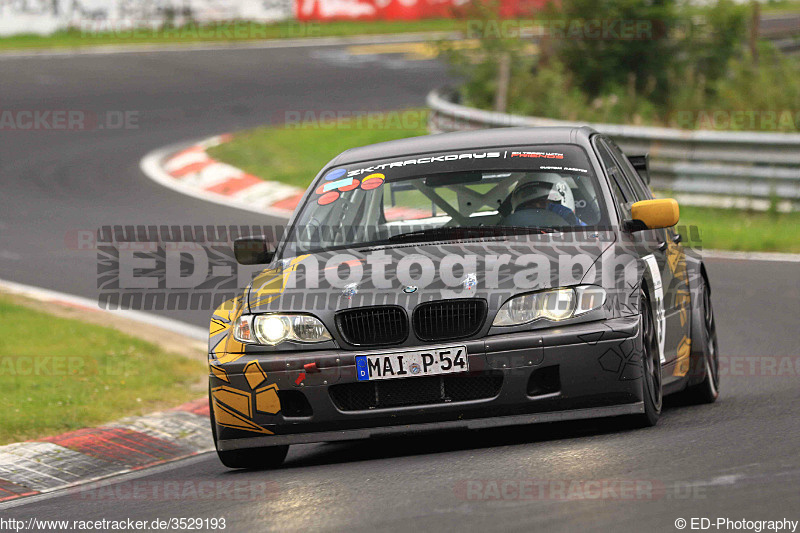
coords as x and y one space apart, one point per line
546 186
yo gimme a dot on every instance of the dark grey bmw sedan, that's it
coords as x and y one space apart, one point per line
462 280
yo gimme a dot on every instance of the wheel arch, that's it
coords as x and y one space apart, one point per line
648 284
698 278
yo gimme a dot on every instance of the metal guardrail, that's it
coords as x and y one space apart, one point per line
739 164
782 30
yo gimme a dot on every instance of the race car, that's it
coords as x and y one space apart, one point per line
462 281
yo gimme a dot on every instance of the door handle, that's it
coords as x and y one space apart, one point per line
677 238
662 246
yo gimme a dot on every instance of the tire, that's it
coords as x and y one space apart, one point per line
706 391
252 458
651 368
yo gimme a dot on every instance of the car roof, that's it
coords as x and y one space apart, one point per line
467 140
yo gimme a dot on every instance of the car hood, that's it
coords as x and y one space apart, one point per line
408 274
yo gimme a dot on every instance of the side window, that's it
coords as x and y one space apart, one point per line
619 186
640 190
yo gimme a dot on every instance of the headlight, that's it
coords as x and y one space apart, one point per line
590 297
558 304
555 304
275 329
272 329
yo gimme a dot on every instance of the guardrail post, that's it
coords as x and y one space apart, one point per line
755 21
503 81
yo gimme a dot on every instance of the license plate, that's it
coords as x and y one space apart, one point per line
412 364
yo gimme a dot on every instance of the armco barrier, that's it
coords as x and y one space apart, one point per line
746 164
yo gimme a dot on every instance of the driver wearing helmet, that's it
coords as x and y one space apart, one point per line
544 192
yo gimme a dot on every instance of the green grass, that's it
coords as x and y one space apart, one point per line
59 374
221 32
294 155
734 229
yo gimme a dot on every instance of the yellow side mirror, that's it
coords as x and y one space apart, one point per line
654 214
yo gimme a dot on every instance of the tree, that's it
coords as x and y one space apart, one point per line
607 44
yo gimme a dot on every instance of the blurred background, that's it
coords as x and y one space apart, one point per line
245 100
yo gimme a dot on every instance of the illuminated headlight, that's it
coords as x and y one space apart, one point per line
275 329
555 304
272 329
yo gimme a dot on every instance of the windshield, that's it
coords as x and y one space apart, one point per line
452 195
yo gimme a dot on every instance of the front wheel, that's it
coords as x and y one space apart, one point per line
252 458
707 391
651 368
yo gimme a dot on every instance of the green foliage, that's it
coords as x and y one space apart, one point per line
604 59
295 152
695 73
716 40
479 66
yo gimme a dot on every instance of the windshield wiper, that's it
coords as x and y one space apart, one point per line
472 232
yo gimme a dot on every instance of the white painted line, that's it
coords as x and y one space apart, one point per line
730 202
751 256
308 42
214 141
184 159
151 165
266 193
212 175
45 295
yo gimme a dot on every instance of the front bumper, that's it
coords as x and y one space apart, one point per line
590 370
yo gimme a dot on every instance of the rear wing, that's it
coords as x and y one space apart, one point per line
642 165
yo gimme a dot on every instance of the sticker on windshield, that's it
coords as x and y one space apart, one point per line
567 169
444 158
335 174
328 198
373 181
538 155
347 184
339 184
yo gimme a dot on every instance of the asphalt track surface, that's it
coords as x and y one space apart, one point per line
737 458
